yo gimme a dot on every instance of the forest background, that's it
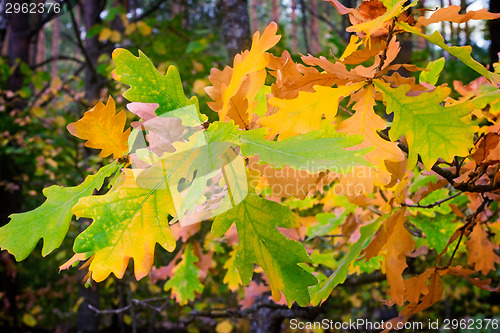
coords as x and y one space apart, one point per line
53 68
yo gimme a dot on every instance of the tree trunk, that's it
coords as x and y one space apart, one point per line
315 44
87 320
304 25
93 83
494 27
254 5
294 27
235 26
56 38
276 10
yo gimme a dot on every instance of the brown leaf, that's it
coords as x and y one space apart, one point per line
481 251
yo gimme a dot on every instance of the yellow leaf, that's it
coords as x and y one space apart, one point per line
199 87
105 34
130 29
115 36
128 222
103 129
353 45
143 28
232 277
249 62
29 320
366 122
224 326
304 113
127 319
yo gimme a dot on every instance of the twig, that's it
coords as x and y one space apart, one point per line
383 56
345 110
60 57
437 203
449 176
76 30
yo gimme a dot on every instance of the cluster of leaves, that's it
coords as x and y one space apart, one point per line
417 186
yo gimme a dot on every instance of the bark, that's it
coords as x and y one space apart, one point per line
494 27
254 5
276 10
56 38
4 23
315 44
93 82
304 25
235 26
294 27
346 36
87 320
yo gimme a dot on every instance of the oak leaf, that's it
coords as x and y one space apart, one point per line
399 243
234 89
128 222
304 113
103 129
481 251
291 78
366 122
261 243
431 130
185 282
452 14
51 220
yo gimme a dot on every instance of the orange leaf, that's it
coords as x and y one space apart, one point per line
399 244
292 77
487 150
482 252
103 129
231 87
452 14
382 236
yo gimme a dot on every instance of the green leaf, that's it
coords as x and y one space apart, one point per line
327 222
437 230
51 220
463 53
322 291
435 68
261 99
185 282
128 222
431 130
311 151
147 85
262 244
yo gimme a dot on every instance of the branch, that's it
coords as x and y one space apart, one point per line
60 57
437 203
76 30
448 175
324 19
149 11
